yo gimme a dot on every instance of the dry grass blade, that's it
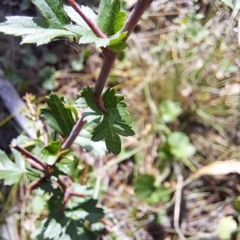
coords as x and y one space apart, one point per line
219 168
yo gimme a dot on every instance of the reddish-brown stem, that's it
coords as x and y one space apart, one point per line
35 183
33 160
135 16
62 184
89 22
69 180
110 57
65 199
74 133
67 193
26 153
72 193
85 171
34 164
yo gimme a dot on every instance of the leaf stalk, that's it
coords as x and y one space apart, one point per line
89 22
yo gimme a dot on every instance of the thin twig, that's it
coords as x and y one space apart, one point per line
85 171
35 183
26 153
177 207
65 199
62 184
35 165
30 158
89 22
72 193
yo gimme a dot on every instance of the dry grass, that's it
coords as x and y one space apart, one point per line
185 51
188 53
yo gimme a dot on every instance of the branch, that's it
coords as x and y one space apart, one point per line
26 153
74 133
33 161
89 22
35 165
35 183
65 200
135 16
110 57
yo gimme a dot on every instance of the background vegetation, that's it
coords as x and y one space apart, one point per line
180 74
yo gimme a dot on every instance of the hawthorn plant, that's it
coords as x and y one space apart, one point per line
97 115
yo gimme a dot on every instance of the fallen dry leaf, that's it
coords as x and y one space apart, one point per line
219 168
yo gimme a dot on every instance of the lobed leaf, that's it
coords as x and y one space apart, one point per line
52 11
111 125
87 36
169 110
116 42
144 186
94 213
84 140
57 115
60 227
10 172
179 145
68 164
75 17
70 224
50 153
32 30
110 19
145 189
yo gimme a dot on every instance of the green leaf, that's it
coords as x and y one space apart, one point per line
160 194
50 58
57 115
82 30
75 17
24 142
94 213
50 153
10 172
60 227
228 3
144 186
52 11
84 140
46 77
87 36
68 164
145 189
111 125
179 145
38 203
110 19
33 30
116 42
169 110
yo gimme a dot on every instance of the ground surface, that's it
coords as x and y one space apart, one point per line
184 51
